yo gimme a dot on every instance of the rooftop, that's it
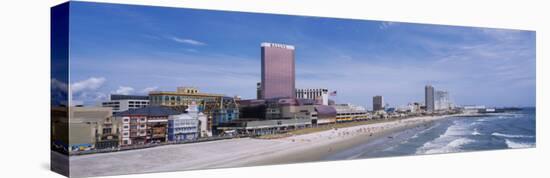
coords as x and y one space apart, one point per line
150 111
277 45
128 97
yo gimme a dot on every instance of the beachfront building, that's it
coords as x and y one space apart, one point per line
120 103
145 125
377 103
92 128
415 107
429 98
442 101
259 117
184 127
300 109
181 98
320 95
348 112
278 75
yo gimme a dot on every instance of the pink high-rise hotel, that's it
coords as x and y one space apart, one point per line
278 75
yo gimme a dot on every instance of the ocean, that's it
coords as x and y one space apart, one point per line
514 129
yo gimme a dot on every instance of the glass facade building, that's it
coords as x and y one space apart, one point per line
278 75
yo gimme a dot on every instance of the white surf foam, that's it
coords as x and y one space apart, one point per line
476 132
453 146
511 136
450 141
512 144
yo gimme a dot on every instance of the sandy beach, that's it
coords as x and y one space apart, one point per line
237 152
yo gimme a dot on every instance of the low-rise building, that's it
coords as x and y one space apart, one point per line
184 127
278 115
348 112
120 103
145 125
92 128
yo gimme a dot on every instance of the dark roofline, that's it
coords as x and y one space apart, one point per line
129 97
149 111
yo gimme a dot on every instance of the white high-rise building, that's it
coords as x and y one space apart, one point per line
442 100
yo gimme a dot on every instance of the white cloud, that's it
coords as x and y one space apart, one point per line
149 89
188 41
58 85
124 90
92 83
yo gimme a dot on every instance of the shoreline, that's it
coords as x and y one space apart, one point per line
240 152
316 152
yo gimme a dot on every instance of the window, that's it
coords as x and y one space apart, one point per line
107 130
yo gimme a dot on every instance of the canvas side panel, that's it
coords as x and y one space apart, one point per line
59 54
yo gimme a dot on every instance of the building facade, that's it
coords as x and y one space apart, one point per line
377 103
278 74
442 101
259 90
120 103
145 125
228 111
429 93
92 128
348 112
181 99
184 127
320 95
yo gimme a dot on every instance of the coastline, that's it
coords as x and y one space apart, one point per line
356 135
240 152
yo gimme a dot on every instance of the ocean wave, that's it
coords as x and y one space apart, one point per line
450 141
453 146
512 144
511 136
423 131
475 132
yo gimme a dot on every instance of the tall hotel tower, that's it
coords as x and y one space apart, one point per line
377 103
429 98
278 76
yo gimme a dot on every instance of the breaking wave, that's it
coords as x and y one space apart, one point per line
512 144
450 141
511 136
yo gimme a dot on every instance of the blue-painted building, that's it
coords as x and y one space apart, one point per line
184 127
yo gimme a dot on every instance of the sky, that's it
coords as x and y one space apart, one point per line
122 49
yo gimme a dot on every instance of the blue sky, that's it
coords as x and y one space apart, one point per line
135 49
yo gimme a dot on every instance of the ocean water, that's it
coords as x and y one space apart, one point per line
454 134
